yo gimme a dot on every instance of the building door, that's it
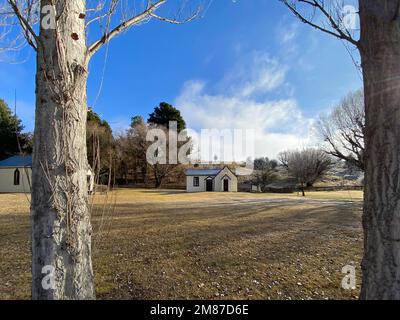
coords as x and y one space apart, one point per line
209 185
226 185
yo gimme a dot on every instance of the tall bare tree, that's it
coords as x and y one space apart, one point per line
343 130
164 168
61 228
131 150
307 166
379 48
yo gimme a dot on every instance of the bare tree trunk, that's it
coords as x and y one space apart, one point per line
144 172
61 229
157 178
380 52
302 190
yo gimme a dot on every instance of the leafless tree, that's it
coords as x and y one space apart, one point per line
137 148
162 171
58 32
264 172
131 149
379 48
343 130
307 166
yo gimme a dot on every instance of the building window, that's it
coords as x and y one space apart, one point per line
196 181
16 177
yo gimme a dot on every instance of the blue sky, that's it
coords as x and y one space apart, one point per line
244 64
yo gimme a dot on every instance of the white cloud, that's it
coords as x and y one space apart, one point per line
287 32
236 104
256 74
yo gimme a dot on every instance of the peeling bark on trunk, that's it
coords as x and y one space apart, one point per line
61 229
380 52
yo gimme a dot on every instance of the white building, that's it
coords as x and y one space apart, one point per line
209 180
16 173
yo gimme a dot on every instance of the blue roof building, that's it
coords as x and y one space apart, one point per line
15 174
209 180
17 162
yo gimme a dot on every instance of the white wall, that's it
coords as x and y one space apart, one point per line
7 180
226 174
200 188
218 182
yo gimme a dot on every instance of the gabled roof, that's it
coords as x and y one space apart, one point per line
205 172
202 172
228 170
17 162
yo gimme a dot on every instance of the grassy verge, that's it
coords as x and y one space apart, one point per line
167 244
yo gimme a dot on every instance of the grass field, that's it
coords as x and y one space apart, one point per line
168 244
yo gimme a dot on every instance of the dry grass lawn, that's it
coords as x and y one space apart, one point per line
168 244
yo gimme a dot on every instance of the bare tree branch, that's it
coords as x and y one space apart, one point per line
334 22
343 130
29 33
26 14
127 22
175 21
94 47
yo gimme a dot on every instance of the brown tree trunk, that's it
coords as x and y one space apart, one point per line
61 229
380 52
157 180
